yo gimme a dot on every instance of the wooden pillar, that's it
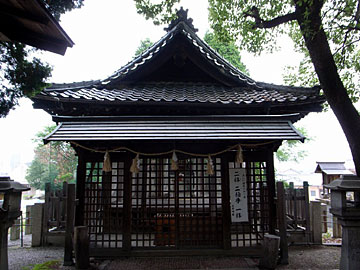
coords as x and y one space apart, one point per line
282 224
80 188
307 211
226 202
127 205
106 201
70 216
46 213
81 247
270 176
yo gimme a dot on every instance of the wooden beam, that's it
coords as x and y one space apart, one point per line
6 10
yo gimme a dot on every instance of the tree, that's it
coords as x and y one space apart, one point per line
327 32
289 151
21 74
144 44
226 49
54 162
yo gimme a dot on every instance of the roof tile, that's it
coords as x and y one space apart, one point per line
190 92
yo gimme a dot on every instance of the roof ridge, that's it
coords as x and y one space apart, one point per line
271 86
139 58
72 85
241 75
182 27
182 16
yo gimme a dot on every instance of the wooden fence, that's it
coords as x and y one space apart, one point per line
296 222
58 214
298 211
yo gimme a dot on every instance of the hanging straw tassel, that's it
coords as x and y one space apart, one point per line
239 155
135 166
107 162
174 162
210 166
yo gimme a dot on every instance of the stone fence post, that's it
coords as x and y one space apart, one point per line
37 218
316 220
28 225
15 230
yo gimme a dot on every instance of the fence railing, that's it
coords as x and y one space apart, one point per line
298 208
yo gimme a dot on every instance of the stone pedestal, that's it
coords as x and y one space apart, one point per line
270 256
350 250
345 205
3 247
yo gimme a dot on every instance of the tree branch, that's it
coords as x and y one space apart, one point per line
260 23
357 13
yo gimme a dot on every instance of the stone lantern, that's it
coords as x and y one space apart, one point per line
9 212
345 205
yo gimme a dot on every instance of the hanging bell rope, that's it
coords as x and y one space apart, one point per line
135 165
174 162
210 166
239 155
107 162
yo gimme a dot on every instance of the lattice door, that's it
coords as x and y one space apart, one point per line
104 205
249 234
176 208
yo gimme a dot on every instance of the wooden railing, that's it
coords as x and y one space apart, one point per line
293 216
298 208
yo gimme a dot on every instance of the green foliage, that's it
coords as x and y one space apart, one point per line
160 13
50 265
58 7
144 44
289 151
340 19
228 50
21 74
238 20
54 162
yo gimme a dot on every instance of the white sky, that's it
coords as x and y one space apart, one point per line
106 35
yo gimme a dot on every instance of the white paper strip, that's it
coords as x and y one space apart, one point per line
238 195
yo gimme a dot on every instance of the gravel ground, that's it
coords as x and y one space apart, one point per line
213 263
21 258
313 257
300 258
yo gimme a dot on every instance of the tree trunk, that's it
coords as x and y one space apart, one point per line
325 67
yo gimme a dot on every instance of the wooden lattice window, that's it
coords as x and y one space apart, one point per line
251 233
104 204
176 208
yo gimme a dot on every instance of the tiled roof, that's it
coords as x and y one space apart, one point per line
264 127
203 48
332 168
242 89
185 92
